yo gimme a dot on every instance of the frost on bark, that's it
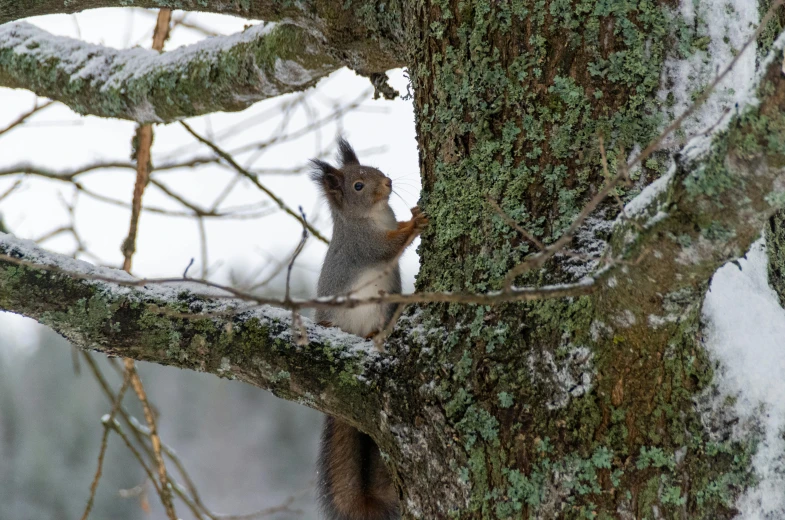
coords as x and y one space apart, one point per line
596 406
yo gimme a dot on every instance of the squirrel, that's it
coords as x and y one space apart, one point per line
361 261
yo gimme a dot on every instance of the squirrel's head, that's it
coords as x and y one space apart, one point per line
353 190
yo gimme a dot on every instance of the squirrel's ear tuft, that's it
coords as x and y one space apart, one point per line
346 155
327 176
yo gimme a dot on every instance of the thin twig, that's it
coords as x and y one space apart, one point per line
378 339
202 247
285 507
298 330
226 214
10 190
25 116
140 433
511 295
104 442
297 251
51 234
135 452
254 180
187 267
166 492
510 222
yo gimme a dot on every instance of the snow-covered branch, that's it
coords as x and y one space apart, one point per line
366 36
11 10
218 74
331 371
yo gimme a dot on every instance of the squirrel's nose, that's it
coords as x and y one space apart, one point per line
388 182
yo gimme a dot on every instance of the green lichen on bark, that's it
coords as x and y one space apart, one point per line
511 98
775 250
512 101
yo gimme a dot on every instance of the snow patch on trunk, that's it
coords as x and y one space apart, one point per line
745 332
726 26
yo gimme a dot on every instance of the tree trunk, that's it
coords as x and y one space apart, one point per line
577 408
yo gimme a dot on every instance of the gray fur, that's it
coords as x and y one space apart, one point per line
347 258
359 227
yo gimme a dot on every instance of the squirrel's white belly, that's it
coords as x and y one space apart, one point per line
364 319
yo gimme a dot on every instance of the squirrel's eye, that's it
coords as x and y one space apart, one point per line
358 186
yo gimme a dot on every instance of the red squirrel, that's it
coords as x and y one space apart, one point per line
362 259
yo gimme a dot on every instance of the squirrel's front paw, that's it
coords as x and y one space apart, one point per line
419 218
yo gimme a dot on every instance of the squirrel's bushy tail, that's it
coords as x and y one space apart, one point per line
354 483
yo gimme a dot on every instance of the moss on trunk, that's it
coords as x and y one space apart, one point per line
592 407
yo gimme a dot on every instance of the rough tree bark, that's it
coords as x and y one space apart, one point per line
592 406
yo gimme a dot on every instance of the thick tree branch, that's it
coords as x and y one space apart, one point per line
707 210
365 35
334 372
11 10
218 74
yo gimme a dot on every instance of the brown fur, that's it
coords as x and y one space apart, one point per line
408 230
354 481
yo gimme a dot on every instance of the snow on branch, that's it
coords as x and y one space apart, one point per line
217 74
104 310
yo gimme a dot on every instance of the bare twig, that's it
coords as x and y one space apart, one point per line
510 222
11 189
25 116
104 442
140 433
378 339
202 246
182 22
514 294
254 180
299 332
260 209
137 455
144 139
51 234
297 251
163 477
187 267
282 508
